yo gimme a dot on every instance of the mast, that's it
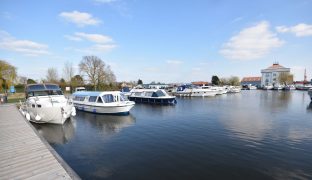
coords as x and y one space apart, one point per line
305 75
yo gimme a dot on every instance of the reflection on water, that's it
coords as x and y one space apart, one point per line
251 135
56 133
309 107
108 124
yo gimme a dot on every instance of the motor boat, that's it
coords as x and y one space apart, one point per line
189 90
151 96
45 103
105 102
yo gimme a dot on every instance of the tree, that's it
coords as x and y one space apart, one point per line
68 72
77 80
224 81
234 81
31 81
52 75
22 80
8 74
140 81
96 70
285 78
215 80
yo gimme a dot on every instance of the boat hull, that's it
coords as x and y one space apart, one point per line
121 109
152 100
310 93
54 115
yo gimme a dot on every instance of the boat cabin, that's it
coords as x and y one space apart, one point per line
97 97
33 90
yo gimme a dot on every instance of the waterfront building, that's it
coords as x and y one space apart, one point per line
200 83
270 75
254 81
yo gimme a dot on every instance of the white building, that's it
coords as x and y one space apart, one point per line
270 74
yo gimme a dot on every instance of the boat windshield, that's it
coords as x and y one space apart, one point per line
44 93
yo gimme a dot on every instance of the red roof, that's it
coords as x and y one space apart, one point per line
249 79
275 66
200 83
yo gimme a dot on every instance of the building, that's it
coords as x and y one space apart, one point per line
270 75
255 81
200 83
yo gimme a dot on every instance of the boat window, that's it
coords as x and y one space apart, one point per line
40 93
99 100
108 98
92 98
52 87
137 93
160 93
122 97
55 92
35 87
148 94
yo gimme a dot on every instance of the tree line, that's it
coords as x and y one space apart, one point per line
93 73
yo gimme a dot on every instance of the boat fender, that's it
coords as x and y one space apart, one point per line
38 118
27 116
73 111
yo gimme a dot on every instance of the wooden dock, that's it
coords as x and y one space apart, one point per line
24 154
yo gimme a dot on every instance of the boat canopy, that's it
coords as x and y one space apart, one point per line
94 93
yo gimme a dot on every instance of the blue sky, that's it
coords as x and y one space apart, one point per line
166 41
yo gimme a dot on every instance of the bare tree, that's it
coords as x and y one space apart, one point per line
96 70
68 72
285 78
52 75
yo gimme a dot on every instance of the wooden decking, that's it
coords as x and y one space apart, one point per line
24 154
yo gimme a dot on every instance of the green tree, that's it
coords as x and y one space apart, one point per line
215 80
31 81
8 74
140 82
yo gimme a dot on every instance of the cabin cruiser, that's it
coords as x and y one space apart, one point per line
106 102
268 87
310 93
45 103
278 87
234 89
189 90
152 96
289 87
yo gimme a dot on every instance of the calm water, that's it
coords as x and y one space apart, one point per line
252 135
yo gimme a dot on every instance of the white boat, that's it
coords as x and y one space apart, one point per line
45 103
234 89
105 102
151 96
310 93
278 87
289 87
188 90
268 87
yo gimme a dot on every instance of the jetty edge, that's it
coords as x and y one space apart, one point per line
25 153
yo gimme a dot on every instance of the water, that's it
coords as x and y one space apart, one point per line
251 135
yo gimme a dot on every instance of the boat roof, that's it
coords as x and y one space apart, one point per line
94 93
42 87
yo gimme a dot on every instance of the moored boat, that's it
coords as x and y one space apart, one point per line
106 102
45 103
188 90
151 96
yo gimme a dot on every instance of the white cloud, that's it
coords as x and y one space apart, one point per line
102 43
174 62
25 47
251 43
81 19
97 38
299 30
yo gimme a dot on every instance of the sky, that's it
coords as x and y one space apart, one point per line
158 40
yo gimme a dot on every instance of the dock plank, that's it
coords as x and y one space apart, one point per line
24 153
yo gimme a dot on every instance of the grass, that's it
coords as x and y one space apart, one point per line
16 97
